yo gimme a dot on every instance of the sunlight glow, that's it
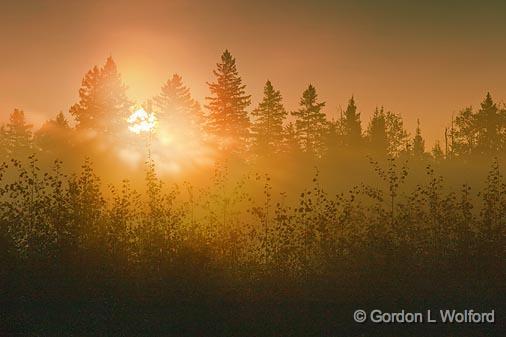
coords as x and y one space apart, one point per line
172 142
141 121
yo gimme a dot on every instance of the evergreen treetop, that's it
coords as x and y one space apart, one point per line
267 128
227 104
311 122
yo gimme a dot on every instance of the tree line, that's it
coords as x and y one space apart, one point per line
268 129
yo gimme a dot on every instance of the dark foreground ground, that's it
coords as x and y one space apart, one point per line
200 307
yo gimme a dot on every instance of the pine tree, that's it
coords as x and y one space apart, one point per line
54 135
176 108
352 125
18 135
377 133
332 139
398 138
311 123
418 142
267 128
490 124
290 140
464 133
60 121
103 105
228 119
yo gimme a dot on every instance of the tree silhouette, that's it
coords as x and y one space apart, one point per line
490 125
398 138
418 142
18 135
386 134
267 128
332 138
351 125
291 143
228 119
377 133
464 133
310 122
103 105
175 106
54 135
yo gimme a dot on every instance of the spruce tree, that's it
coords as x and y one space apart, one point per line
228 119
332 137
398 138
54 135
267 128
175 107
386 133
310 122
291 143
464 133
377 133
418 142
103 105
490 124
18 135
352 125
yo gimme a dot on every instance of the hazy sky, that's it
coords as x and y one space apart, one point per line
423 59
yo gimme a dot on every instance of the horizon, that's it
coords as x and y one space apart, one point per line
418 68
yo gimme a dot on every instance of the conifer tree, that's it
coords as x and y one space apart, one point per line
490 125
464 133
18 135
418 142
175 106
228 119
310 122
352 125
377 133
332 138
386 134
103 105
291 143
54 134
267 128
398 138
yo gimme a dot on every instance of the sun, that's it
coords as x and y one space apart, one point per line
141 121
174 144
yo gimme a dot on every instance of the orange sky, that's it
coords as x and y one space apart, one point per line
421 60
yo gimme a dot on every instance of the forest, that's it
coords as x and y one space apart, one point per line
223 218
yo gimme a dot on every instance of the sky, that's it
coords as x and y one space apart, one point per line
425 59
